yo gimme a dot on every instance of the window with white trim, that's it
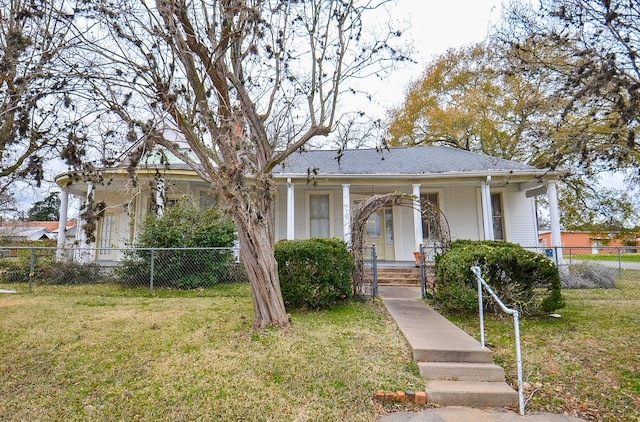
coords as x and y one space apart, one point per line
319 215
497 214
429 230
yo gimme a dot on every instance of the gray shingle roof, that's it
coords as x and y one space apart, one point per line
398 161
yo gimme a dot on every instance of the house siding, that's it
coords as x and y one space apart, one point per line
461 208
520 225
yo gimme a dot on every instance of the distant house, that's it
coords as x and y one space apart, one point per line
481 197
589 243
36 230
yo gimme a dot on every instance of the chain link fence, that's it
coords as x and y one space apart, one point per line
148 268
623 259
598 266
199 268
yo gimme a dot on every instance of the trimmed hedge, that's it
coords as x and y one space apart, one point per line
522 279
314 273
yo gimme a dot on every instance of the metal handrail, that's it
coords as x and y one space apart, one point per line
516 325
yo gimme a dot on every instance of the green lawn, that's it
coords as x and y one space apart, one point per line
585 363
626 257
103 353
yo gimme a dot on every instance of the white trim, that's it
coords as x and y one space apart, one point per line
554 215
62 220
487 216
417 217
346 213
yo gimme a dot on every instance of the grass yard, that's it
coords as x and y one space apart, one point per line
586 363
102 353
625 257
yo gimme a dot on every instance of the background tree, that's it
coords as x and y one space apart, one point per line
590 51
246 83
470 98
480 98
46 210
599 210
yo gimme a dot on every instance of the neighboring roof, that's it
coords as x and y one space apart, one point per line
49 225
28 233
417 160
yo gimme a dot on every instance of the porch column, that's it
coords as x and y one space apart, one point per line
290 210
84 253
417 217
554 215
346 213
487 217
62 222
160 195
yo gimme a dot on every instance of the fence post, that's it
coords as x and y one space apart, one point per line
374 262
481 310
153 256
31 269
619 262
423 275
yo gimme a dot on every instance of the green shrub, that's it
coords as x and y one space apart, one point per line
68 273
522 279
14 270
49 271
183 226
314 273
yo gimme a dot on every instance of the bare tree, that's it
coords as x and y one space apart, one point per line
246 83
37 117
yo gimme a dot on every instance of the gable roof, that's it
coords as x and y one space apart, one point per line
419 160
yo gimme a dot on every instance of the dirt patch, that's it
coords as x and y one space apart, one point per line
8 302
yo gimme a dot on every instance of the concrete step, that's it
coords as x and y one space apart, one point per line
472 394
468 355
461 371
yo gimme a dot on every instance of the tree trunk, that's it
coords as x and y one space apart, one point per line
253 217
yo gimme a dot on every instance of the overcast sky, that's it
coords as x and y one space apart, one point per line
434 27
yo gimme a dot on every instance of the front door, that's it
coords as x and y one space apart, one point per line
379 231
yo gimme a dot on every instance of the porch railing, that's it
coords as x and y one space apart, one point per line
516 326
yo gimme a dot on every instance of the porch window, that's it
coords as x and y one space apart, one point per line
429 229
498 216
106 233
319 215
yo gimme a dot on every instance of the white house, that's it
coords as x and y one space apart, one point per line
481 197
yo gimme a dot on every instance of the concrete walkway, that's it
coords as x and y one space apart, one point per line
429 335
